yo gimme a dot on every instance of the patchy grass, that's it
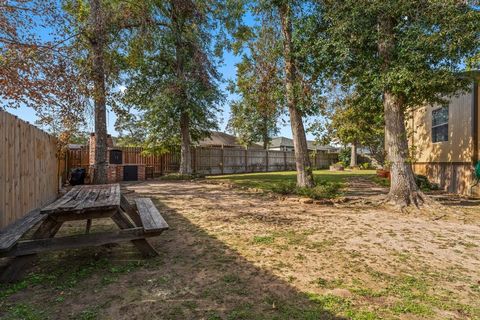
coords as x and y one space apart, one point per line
384 182
231 254
328 183
25 312
180 177
263 239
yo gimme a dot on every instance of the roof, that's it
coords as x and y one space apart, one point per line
218 138
75 146
278 142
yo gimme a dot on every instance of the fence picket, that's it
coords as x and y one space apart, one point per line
207 160
28 168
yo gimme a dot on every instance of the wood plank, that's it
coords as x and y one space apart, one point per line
115 198
92 195
9 172
87 198
13 232
57 205
3 220
17 267
90 214
141 244
28 168
152 220
75 200
130 211
77 241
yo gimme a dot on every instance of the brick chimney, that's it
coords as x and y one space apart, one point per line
91 144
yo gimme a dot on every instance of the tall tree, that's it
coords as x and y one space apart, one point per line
255 116
351 118
410 52
302 158
298 93
101 28
97 38
174 79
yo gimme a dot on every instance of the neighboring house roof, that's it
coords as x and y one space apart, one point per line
364 150
75 146
279 142
223 139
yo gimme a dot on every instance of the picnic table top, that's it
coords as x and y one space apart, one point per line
86 198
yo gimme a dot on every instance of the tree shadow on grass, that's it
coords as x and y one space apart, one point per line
196 277
200 277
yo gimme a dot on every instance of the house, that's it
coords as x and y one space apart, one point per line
286 144
445 143
225 140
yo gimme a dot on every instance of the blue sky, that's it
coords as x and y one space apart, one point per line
228 71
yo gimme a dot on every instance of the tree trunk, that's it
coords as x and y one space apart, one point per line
185 148
353 155
97 44
302 159
403 189
186 152
266 137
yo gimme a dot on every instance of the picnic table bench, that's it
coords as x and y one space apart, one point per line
84 202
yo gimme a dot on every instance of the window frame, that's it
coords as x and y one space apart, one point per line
439 125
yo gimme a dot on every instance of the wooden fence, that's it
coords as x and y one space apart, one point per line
210 161
29 168
31 171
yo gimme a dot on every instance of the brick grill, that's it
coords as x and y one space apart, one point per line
114 171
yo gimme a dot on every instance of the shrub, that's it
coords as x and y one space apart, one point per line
284 187
366 166
344 156
322 190
424 184
384 182
338 165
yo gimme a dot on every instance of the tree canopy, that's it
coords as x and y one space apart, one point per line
256 114
409 52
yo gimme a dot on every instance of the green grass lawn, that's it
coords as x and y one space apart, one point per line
284 182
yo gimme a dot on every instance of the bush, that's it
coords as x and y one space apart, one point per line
424 184
284 187
366 166
344 156
322 190
384 182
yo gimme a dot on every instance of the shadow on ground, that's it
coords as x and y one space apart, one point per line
196 276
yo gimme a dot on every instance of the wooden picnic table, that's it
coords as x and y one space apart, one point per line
83 202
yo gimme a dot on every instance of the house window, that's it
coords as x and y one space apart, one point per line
440 124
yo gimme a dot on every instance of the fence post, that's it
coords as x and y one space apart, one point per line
194 159
284 160
266 160
223 160
246 160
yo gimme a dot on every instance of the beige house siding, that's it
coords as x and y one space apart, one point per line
459 147
452 177
448 163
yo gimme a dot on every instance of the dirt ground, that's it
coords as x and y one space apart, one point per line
236 254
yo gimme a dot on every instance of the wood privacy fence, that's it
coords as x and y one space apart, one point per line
29 168
209 160
31 171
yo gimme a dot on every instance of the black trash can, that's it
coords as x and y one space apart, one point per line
77 176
